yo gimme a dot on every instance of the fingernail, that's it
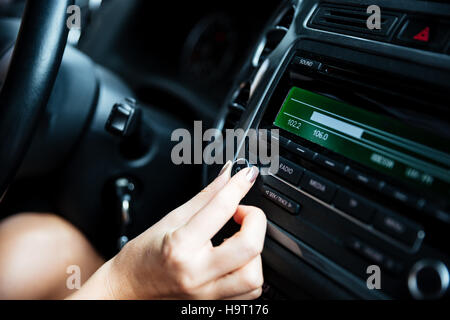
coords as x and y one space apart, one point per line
252 174
225 168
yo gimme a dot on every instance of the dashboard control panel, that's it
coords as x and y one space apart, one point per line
360 183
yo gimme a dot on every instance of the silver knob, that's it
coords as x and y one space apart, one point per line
428 279
238 165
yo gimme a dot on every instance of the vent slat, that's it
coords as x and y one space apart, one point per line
348 14
351 16
348 20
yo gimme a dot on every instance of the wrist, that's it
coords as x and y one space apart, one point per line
110 280
123 275
105 284
98 287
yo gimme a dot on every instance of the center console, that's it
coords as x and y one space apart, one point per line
363 185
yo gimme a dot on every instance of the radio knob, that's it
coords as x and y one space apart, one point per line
238 165
428 279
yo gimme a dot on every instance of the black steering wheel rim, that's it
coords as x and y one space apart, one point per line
29 82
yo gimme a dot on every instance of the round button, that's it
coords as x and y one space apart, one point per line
238 165
428 279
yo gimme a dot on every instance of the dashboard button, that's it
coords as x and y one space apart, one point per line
367 252
374 255
287 204
306 63
301 151
354 206
423 33
284 142
318 187
392 265
363 178
122 120
330 164
437 213
289 171
396 227
401 196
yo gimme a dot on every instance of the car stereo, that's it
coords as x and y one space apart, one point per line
415 157
364 175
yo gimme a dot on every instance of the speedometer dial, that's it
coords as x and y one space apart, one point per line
210 48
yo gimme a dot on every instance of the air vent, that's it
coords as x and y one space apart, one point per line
238 105
352 20
286 18
274 35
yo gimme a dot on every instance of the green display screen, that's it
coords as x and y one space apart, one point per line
382 143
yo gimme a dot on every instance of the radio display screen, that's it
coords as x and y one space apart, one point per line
377 141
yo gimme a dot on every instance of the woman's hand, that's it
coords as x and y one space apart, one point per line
175 259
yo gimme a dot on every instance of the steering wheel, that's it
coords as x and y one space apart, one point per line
29 82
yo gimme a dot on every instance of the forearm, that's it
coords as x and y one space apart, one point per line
98 287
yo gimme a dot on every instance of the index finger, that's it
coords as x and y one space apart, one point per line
183 214
212 217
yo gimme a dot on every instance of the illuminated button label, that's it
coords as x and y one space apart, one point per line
362 178
394 225
354 206
308 63
423 35
289 171
382 161
286 169
281 200
318 187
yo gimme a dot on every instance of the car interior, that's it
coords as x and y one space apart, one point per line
359 112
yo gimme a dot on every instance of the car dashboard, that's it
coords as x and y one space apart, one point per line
359 118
